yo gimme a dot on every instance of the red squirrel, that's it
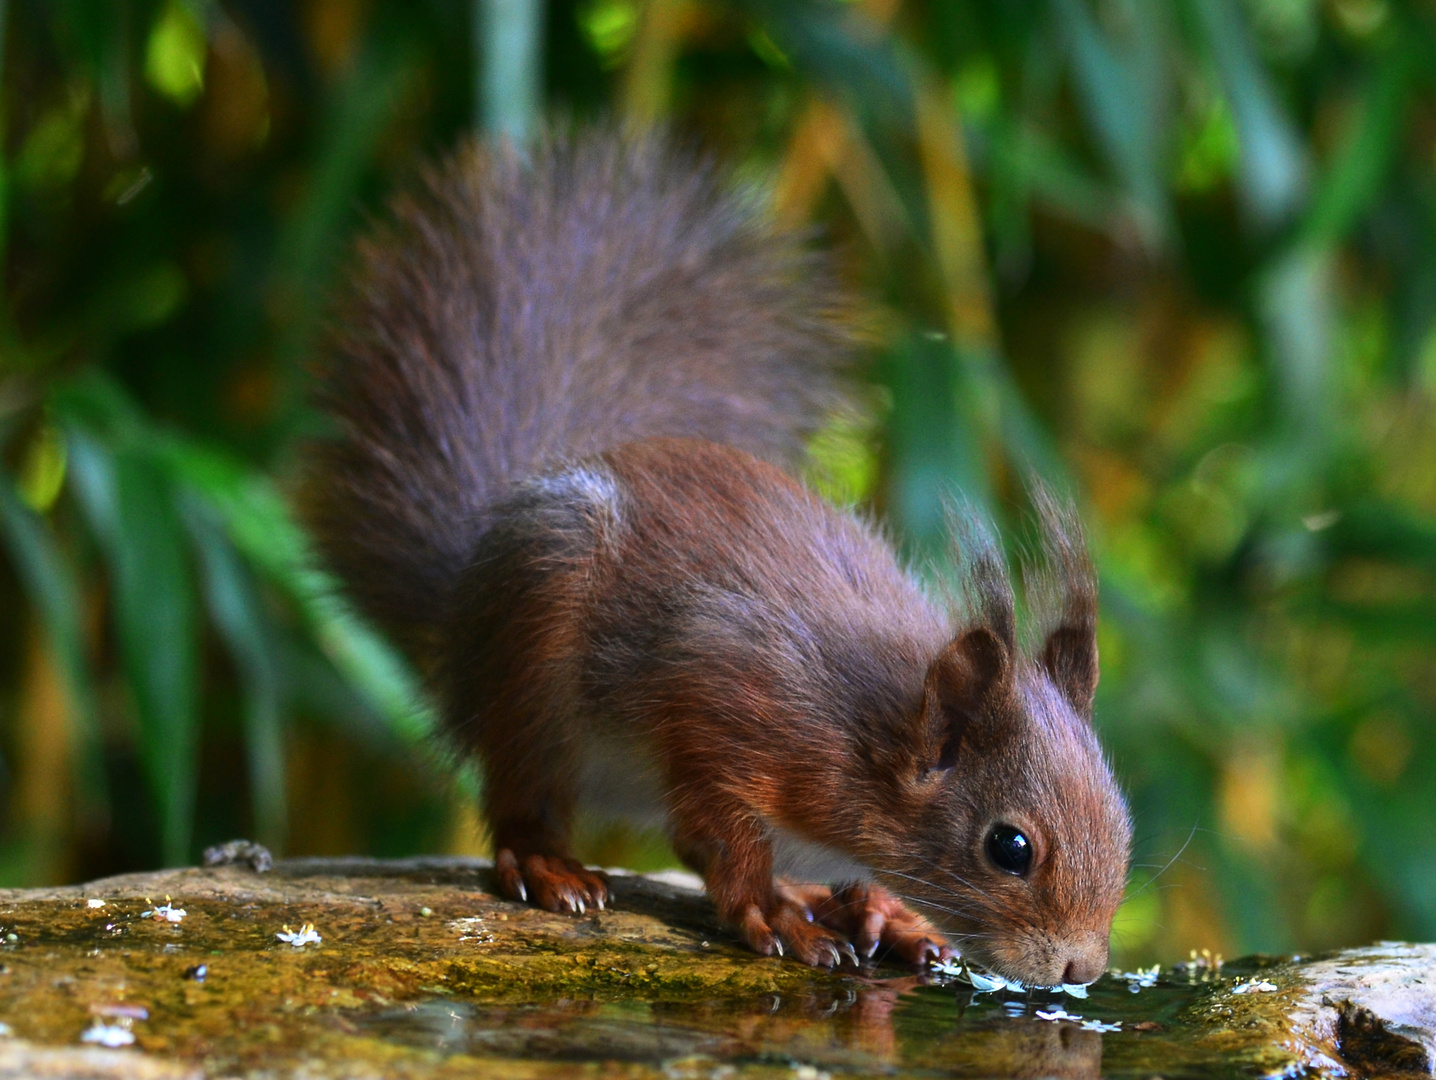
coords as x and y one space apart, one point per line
568 382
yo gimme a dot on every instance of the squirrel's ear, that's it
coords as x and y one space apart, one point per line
1069 656
970 673
1069 653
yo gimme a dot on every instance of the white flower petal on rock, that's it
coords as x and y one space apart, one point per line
301 937
111 1035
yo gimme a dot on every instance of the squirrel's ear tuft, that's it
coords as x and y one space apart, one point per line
968 676
1069 656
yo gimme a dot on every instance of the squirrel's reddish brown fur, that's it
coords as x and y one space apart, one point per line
565 380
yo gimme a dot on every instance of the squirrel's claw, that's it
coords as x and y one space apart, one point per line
788 927
875 919
554 883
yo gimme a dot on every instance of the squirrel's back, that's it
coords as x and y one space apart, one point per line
522 307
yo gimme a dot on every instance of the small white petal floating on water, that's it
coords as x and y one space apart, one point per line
1141 978
1056 1014
986 984
1254 986
111 1035
301 937
95 903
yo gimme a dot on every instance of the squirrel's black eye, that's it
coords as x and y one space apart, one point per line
1009 850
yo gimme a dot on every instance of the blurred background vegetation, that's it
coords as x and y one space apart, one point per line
1179 256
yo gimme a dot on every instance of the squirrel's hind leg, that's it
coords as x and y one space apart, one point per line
511 681
532 860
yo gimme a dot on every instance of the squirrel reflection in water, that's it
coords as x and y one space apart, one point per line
861 1022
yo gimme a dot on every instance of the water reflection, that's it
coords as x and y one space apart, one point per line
886 1025
1024 1048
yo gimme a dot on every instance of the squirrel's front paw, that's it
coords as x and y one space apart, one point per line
551 882
873 918
787 929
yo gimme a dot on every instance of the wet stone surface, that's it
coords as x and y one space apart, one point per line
420 971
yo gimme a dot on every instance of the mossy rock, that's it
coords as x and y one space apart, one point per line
421 971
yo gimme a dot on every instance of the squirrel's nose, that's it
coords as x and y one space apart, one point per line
1085 964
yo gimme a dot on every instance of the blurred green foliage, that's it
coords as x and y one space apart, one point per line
1179 258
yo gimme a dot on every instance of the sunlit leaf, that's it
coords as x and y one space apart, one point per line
43 473
175 55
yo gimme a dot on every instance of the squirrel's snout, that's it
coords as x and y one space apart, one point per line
1085 963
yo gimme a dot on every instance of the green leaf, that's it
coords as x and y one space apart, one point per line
1375 529
835 45
1364 159
1125 90
935 439
1272 166
1026 159
1295 299
175 54
258 523
237 610
510 33
131 507
355 118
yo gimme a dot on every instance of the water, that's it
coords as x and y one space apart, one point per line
885 1025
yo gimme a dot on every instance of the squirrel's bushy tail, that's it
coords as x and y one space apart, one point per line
519 307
